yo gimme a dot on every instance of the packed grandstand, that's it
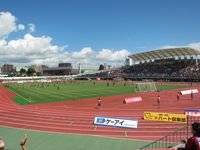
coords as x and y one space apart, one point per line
175 64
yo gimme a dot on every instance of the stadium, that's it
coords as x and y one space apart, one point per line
58 110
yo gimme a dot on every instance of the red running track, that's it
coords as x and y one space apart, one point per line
77 116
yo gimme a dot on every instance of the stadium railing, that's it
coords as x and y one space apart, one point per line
174 138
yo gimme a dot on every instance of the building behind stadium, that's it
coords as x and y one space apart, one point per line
62 69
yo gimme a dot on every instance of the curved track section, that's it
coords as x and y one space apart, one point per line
77 116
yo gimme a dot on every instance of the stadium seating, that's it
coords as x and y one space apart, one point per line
184 68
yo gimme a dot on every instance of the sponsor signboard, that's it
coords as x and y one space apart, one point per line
189 92
98 78
158 116
115 122
132 99
192 112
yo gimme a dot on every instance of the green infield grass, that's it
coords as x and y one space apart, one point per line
34 93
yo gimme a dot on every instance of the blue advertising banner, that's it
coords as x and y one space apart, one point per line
115 122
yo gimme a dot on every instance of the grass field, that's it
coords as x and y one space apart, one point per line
57 141
32 93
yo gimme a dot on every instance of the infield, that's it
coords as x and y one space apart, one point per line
34 93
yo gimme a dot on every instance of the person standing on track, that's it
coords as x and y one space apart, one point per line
192 95
23 142
158 100
178 96
99 102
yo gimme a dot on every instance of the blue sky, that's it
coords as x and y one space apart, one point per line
104 31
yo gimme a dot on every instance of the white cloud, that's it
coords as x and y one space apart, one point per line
7 23
64 47
31 27
40 50
32 45
120 55
85 52
27 49
20 27
194 45
106 54
168 46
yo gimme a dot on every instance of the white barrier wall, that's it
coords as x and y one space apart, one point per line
189 91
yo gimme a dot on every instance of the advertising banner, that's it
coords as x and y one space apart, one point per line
158 116
192 112
115 122
132 99
189 92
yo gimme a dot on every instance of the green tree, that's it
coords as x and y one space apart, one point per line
12 73
101 67
22 71
31 71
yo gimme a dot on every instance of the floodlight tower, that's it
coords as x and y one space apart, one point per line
79 68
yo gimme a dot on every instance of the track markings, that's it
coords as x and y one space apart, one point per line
51 118
94 128
69 123
124 133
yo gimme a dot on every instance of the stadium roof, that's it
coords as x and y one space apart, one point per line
164 53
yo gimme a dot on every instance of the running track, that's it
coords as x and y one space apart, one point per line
77 116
